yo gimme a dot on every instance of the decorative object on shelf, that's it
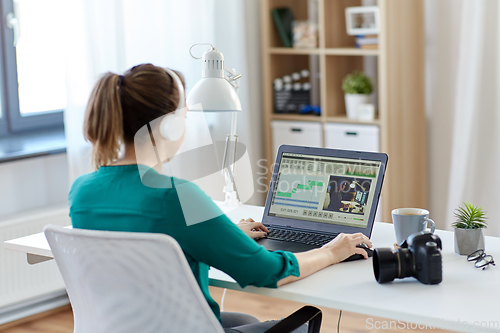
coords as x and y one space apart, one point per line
292 94
311 109
357 88
366 112
305 34
362 20
469 224
283 21
367 42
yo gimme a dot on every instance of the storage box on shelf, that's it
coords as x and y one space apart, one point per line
352 137
296 133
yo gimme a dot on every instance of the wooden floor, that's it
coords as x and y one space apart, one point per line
262 307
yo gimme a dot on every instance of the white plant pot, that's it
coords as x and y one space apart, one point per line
352 102
468 240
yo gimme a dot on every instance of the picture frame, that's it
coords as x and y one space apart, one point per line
362 20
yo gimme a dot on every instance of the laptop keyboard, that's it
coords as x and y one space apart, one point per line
296 236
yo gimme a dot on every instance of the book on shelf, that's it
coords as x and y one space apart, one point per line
367 42
283 21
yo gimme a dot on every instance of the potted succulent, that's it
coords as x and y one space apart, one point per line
469 224
357 89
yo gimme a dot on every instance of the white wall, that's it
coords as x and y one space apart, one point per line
33 183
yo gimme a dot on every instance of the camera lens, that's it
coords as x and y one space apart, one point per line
390 264
385 265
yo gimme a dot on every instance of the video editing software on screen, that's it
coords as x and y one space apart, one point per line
325 189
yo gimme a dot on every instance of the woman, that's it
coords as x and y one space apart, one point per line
115 198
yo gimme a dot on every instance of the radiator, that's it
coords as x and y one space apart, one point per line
20 282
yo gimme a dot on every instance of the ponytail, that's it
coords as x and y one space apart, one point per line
120 106
103 125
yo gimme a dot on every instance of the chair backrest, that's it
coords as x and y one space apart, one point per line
124 282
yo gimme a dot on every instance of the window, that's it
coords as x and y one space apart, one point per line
32 75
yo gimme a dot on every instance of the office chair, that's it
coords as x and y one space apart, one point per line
124 282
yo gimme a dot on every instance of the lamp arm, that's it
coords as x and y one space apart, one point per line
232 77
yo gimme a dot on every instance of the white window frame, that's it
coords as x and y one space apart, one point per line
11 120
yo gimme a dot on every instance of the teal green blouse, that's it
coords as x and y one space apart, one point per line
114 198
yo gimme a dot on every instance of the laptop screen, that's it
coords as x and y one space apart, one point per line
324 189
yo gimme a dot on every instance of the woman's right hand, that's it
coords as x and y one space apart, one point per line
340 248
344 245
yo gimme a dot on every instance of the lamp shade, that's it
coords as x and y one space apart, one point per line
213 93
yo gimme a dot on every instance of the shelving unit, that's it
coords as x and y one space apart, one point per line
399 83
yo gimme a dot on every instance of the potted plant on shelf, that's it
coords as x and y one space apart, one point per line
357 89
469 224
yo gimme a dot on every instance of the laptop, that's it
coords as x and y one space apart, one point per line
317 193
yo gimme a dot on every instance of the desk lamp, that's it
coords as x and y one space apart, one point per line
217 92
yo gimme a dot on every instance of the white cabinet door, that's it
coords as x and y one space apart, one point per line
352 137
297 133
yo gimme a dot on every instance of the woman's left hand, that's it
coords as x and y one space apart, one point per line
253 229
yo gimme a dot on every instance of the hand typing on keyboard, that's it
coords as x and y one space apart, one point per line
253 229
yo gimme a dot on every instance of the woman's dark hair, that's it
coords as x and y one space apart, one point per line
121 105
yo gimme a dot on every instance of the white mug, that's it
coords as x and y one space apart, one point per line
408 221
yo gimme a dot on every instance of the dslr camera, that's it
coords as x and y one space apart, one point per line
419 256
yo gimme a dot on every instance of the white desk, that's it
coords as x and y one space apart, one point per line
467 296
